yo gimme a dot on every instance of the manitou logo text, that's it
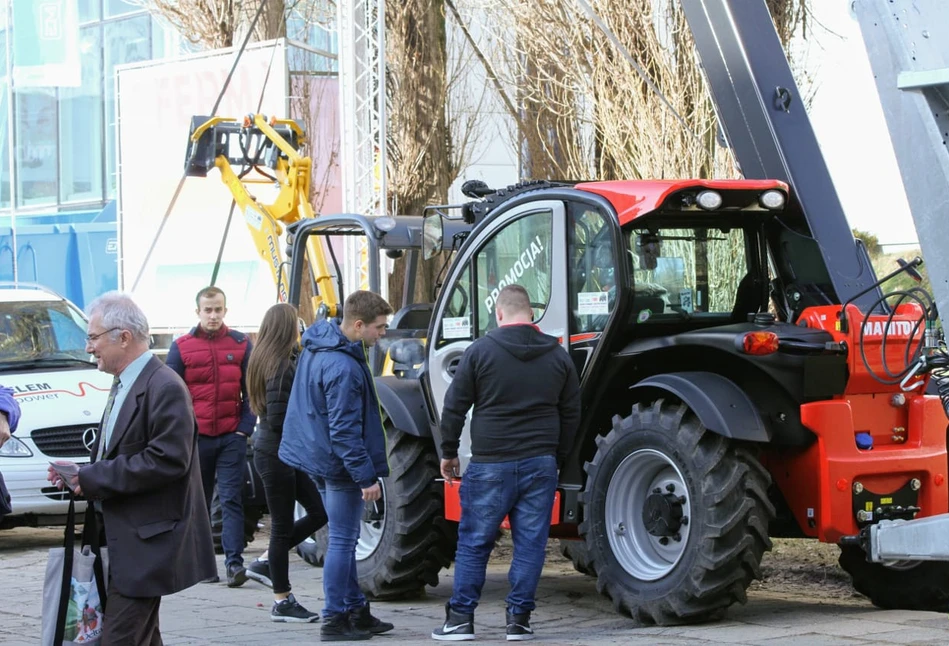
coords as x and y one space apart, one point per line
895 328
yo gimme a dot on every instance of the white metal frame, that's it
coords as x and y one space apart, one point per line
361 25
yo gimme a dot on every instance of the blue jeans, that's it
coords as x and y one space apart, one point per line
524 491
226 455
344 509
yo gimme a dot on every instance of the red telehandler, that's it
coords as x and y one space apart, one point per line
777 393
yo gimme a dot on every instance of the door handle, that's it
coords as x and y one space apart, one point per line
453 366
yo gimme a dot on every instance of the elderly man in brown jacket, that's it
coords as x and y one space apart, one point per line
144 476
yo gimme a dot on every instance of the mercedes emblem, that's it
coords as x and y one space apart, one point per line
89 437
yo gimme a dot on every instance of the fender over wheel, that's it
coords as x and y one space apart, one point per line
675 516
405 540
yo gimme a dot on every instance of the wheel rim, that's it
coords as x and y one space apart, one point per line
643 479
373 526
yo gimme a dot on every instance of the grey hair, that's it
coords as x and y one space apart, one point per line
118 310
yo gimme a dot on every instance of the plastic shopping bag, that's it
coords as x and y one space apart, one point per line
74 590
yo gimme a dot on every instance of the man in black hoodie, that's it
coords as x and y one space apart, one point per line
526 397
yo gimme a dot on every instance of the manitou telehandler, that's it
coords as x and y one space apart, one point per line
743 374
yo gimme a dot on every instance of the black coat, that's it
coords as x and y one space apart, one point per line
270 426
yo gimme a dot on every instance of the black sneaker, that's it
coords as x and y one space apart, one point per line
458 627
236 576
212 579
519 626
259 571
289 611
363 620
340 628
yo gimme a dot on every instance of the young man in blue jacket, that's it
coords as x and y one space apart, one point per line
333 431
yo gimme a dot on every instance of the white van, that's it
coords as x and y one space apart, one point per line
60 392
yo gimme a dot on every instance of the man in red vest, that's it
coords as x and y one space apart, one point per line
212 360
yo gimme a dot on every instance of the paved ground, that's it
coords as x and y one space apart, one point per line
570 611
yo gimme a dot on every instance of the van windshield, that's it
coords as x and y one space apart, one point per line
41 331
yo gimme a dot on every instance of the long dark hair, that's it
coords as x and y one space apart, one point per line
276 340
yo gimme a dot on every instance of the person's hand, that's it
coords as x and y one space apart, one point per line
58 481
4 429
450 470
373 493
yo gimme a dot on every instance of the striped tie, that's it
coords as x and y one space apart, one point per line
103 440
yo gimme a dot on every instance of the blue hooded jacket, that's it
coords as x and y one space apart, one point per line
333 428
9 406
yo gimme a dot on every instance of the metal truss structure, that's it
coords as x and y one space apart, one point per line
361 30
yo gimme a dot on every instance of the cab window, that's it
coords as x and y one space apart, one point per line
685 272
517 254
591 271
456 322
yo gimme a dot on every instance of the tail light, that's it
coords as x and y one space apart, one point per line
759 343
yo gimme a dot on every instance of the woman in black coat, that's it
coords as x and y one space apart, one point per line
270 373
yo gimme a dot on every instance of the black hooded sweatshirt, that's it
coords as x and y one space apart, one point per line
526 397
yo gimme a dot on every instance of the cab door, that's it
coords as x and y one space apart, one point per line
523 246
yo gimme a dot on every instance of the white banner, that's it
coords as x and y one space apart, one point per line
155 104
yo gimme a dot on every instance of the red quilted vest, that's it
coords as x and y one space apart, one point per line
213 375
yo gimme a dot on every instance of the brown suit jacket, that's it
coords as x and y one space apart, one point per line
149 483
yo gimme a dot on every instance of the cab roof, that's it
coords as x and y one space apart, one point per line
635 198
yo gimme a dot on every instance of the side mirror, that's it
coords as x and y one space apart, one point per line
433 233
407 352
910 268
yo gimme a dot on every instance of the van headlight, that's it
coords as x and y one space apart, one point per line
15 448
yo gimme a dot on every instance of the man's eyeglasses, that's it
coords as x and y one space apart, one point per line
92 338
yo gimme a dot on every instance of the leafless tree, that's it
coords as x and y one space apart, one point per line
428 132
584 107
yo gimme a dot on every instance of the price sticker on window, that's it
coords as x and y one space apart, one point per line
593 303
458 327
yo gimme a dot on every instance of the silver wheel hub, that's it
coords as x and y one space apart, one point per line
647 513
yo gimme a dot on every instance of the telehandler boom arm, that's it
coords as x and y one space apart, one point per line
253 143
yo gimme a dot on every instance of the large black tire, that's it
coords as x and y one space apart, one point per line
673 570
404 551
910 586
577 553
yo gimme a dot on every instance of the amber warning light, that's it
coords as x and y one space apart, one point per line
759 343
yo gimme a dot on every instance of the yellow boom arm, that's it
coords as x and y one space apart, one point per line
210 145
